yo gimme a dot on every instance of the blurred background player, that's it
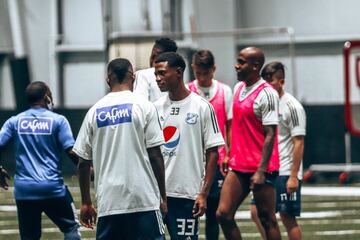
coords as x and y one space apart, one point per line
254 156
39 136
145 82
121 135
220 97
291 133
190 130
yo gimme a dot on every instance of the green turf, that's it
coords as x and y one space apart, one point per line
345 225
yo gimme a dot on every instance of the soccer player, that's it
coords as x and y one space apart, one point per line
254 156
145 83
220 97
292 129
39 136
121 137
192 135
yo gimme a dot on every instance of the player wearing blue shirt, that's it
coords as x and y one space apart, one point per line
39 136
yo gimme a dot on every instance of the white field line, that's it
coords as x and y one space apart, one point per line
340 232
312 191
331 191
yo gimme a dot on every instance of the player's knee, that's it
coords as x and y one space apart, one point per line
267 220
223 216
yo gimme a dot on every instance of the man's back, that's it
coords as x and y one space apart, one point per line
39 136
115 134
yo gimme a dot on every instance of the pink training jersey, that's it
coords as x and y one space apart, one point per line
248 136
218 102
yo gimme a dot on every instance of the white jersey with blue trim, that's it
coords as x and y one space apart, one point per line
190 127
115 134
292 122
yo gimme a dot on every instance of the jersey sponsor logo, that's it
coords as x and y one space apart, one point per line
191 118
35 125
114 115
171 136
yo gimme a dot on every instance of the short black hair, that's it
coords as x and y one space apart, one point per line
173 59
36 91
119 67
166 45
273 68
203 58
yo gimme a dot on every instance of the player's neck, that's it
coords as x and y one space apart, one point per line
120 87
281 92
205 84
179 93
251 81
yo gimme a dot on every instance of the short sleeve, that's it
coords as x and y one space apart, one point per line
6 132
141 85
297 119
65 135
153 133
83 144
228 101
269 106
211 131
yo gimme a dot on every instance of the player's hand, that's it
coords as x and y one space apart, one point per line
224 168
257 179
292 184
163 207
3 176
199 206
88 216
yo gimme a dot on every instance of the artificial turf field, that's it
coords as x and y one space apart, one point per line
328 212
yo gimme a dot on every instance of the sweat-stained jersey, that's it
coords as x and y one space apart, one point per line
115 134
190 127
292 122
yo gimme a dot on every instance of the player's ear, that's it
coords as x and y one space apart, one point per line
282 81
179 71
47 99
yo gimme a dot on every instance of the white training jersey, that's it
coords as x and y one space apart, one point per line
190 127
145 84
209 93
267 97
115 134
292 123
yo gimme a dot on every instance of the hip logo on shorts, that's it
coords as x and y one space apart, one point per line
35 125
114 115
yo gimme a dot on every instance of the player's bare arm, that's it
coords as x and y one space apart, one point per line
87 212
157 164
224 165
293 182
270 134
211 161
73 157
3 174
